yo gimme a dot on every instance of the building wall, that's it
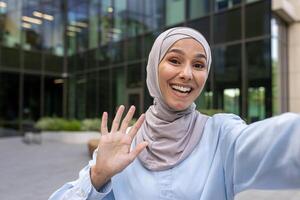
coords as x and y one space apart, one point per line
294 66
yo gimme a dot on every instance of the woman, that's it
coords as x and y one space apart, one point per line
178 153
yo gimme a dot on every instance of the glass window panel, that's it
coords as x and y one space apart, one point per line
119 30
106 20
198 8
118 87
10 57
103 56
224 4
134 75
104 91
154 14
148 42
53 63
251 1
227 70
135 17
33 60
116 52
258 19
227 26
91 59
91 96
134 49
10 35
9 96
256 105
175 12
202 25
94 8
53 92
80 96
32 26
31 98
258 60
231 100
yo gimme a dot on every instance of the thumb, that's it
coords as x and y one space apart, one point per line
138 149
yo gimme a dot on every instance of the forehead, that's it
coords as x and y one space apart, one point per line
188 45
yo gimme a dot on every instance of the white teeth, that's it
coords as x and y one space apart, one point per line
181 88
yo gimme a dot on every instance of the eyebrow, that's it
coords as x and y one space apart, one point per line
198 55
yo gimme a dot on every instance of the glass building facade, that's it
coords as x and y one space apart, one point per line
78 58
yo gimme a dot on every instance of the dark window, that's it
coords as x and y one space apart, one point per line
258 60
53 63
91 95
202 25
9 96
53 92
258 19
227 26
31 98
134 75
33 60
227 86
118 87
104 91
134 49
10 57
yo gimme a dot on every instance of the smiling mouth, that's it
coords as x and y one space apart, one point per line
181 89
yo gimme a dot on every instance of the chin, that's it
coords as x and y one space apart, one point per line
179 106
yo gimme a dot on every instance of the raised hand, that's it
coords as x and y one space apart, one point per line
114 147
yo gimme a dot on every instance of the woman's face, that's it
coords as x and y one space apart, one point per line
182 73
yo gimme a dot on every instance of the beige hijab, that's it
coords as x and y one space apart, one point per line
171 135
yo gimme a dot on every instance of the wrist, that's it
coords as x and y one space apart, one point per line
98 177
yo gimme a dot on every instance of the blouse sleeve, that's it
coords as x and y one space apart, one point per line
82 188
262 155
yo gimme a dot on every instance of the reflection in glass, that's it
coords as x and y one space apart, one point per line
134 49
256 105
227 70
231 100
227 26
118 87
154 14
198 8
93 24
258 60
224 4
175 12
119 29
10 33
135 17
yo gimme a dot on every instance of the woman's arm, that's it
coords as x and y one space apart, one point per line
114 155
262 155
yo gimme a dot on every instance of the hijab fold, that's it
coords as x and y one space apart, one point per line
171 135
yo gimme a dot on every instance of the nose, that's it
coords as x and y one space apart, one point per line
186 72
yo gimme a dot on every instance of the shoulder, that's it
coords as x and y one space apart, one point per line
226 120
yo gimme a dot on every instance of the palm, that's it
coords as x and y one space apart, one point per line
114 147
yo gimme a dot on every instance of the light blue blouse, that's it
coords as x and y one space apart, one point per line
231 157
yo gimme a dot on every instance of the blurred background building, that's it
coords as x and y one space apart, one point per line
78 58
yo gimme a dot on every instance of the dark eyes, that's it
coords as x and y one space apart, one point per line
174 61
199 66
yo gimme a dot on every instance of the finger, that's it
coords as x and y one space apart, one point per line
117 119
104 129
138 149
127 119
134 129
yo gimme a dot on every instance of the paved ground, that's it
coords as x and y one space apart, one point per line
33 172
